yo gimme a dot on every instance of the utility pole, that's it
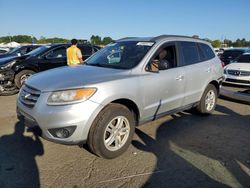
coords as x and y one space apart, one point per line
9 37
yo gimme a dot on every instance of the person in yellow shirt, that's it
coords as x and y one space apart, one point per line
74 55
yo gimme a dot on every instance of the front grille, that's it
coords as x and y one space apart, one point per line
238 81
238 72
29 96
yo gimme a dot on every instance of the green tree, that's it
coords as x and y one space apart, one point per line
95 39
44 40
106 40
22 38
216 43
228 42
5 39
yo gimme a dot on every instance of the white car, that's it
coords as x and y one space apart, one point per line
238 72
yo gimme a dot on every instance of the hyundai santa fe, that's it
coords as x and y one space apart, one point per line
129 82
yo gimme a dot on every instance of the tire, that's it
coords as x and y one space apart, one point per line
206 105
22 76
104 129
9 91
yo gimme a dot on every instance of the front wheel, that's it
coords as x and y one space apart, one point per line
112 131
208 100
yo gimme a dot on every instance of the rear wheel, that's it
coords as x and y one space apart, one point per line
208 100
22 76
112 131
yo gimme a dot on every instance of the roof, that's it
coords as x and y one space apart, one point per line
157 38
245 49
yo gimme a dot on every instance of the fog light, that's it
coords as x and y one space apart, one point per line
64 132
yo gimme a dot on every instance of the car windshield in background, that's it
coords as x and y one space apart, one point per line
244 59
14 50
38 50
120 55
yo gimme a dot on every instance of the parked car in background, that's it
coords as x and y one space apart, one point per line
231 54
14 71
238 72
127 83
3 50
19 51
218 51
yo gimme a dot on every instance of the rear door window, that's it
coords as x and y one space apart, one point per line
190 52
57 53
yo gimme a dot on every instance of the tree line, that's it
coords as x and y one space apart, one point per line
97 40
229 43
94 39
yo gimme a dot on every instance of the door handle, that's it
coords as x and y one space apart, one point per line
179 78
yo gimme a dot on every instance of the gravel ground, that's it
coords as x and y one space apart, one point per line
182 150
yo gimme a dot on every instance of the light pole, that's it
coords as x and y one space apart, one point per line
9 36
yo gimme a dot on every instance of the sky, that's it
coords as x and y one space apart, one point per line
213 19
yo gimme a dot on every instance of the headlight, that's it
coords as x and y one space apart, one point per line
70 96
8 65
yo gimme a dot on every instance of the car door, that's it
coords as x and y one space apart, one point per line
54 58
198 69
163 91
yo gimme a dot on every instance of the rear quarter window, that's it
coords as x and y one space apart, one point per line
205 52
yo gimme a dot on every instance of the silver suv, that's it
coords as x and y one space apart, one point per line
127 83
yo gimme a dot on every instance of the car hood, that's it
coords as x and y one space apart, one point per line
74 77
6 55
239 66
6 60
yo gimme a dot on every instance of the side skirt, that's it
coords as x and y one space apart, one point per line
181 109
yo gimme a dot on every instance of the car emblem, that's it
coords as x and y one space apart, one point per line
237 73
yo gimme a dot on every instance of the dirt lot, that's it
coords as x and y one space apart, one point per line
182 150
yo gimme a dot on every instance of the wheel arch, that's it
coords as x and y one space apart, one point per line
131 105
25 68
217 86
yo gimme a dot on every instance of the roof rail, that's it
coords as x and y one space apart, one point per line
164 36
126 38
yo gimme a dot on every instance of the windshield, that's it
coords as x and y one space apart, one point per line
38 50
14 50
120 55
244 59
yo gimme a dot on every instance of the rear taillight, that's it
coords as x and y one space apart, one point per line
222 64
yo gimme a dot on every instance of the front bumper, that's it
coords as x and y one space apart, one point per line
48 117
6 75
237 80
